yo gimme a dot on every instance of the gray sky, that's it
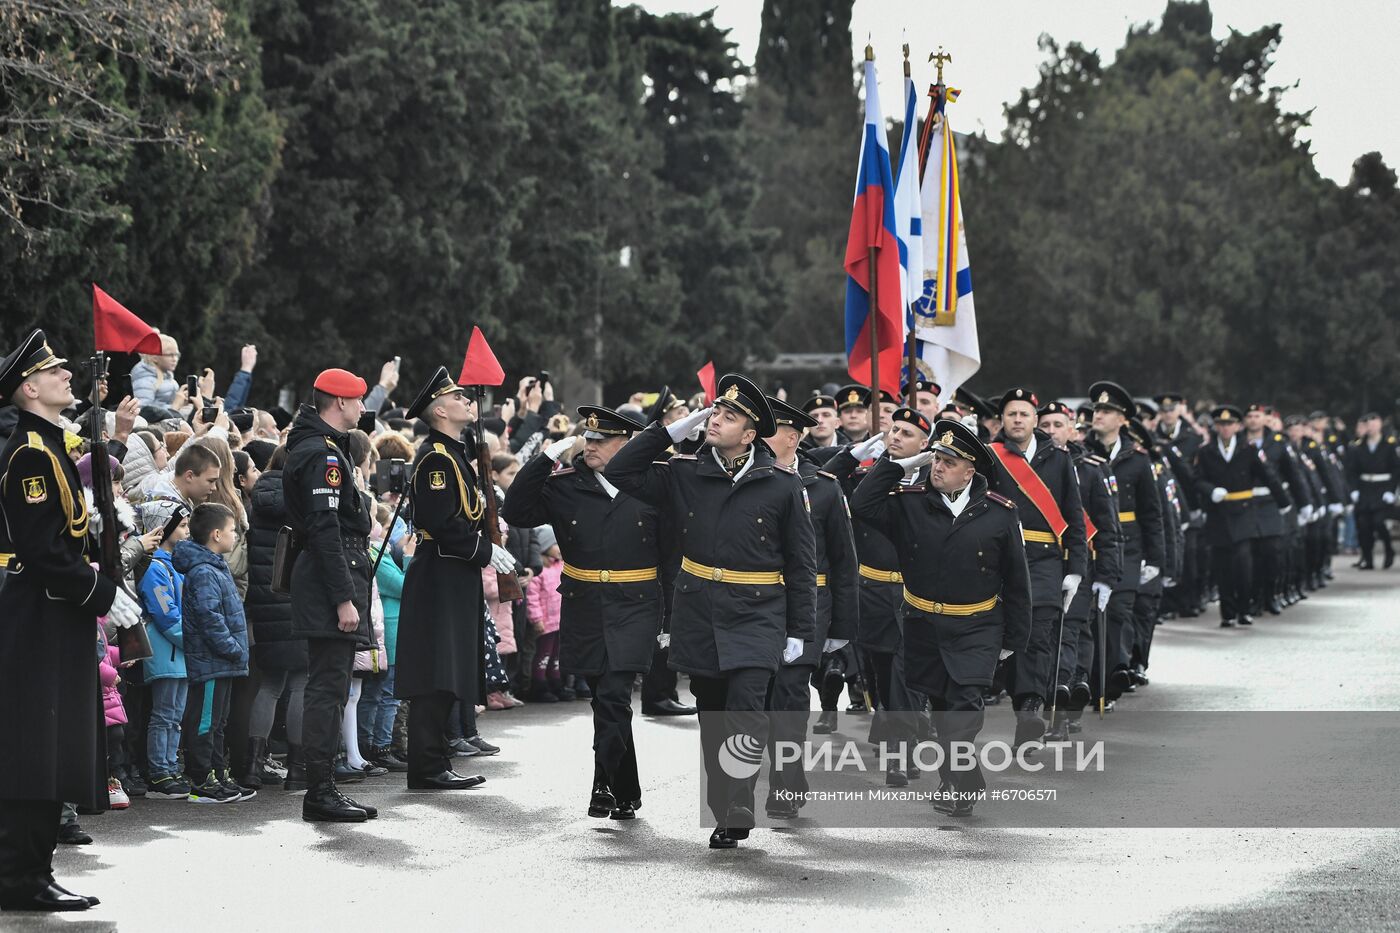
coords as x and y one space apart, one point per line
1337 53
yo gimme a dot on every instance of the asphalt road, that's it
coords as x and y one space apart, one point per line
519 853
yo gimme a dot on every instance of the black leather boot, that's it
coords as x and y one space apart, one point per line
257 751
296 769
323 803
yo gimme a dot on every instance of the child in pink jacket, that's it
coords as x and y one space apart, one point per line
109 660
542 602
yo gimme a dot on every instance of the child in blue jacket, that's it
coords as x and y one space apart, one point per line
161 590
216 650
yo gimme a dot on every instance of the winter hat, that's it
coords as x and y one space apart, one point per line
547 537
85 467
155 514
261 451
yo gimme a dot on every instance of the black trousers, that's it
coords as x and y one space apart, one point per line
1268 569
614 752
1070 670
1370 525
205 751
1034 668
1121 631
731 705
1233 566
428 754
659 682
1144 624
28 835
790 695
327 690
957 716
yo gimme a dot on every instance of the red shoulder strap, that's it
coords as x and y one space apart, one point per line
1034 488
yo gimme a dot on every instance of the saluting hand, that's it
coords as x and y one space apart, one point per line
689 426
558 448
870 448
911 465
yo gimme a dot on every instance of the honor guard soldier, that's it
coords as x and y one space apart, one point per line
1105 563
330 579
1040 478
612 544
1147 604
659 695
1274 518
926 398
1228 472
881 632
967 590
1372 471
745 596
49 604
826 422
1139 514
1174 429
441 638
1308 558
1334 495
853 408
837 605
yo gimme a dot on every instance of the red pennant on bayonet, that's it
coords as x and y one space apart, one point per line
117 330
481 367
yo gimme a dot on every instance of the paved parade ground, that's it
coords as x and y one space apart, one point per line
452 859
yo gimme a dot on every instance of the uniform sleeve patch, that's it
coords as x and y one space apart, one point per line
437 479
333 477
35 490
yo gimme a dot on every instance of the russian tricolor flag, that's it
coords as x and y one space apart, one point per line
873 226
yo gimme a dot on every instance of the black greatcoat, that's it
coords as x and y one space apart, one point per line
49 606
1139 510
1232 521
1271 513
967 559
1364 466
441 642
269 614
1049 562
1106 548
329 516
881 601
757 524
602 626
838 602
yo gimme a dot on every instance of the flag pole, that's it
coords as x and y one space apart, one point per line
911 397
935 93
872 279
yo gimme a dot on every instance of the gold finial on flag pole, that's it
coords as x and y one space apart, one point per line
869 51
906 59
939 58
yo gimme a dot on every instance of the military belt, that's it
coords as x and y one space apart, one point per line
720 575
881 576
1239 495
948 609
1041 537
1260 491
610 576
1127 516
1375 477
5 560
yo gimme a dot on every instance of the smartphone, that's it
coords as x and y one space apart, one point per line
544 377
192 387
397 360
366 422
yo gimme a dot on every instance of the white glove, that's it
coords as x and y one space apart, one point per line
870 448
1005 653
502 560
689 426
1217 494
834 644
1388 498
663 640
1285 510
1305 513
912 464
1102 593
558 448
1355 494
1069 586
1149 573
1198 517
1168 583
793 650
125 611
1336 508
